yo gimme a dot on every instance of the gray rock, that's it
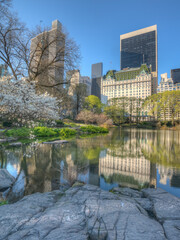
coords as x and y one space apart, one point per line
10 139
82 212
16 144
165 205
145 203
128 192
56 142
172 229
5 179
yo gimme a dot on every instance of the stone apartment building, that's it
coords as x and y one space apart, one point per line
74 78
47 59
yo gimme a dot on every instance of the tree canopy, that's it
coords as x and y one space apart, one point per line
93 104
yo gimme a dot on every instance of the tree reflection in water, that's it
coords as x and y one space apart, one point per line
129 157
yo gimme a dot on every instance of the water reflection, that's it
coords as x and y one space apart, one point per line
129 157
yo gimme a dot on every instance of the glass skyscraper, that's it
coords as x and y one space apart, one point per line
140 47
175 75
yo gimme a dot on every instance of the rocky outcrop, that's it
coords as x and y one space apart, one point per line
6 179
87 212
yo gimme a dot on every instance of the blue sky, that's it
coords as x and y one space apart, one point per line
96 25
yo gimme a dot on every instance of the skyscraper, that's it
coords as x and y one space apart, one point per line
96 76
140 47
47 58
175 75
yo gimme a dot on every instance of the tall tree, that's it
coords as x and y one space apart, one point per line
93 104
23 60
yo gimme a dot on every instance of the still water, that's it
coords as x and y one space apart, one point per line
135 158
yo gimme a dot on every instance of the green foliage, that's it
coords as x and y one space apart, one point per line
4 202
7 124
161 103
18 132
94 129
45 132
59 123
93 104
116 113
147 125
67 132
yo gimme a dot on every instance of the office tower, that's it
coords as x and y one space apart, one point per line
175 75
47 59
140 47
96 75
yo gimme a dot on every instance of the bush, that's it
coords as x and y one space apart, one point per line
19 132
52 132
7 124
94 129
45 132
59 123
86 117
90 117
67 132
169 124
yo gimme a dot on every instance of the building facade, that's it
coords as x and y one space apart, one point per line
47 59
175 75
74 77
167 84
96 76
140 47
132 83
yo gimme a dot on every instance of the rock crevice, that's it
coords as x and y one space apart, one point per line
87 212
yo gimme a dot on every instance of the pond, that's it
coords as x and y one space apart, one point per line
134 158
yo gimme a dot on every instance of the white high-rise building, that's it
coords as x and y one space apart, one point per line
167 84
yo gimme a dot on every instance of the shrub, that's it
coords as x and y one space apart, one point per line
94 129
45 132
59 123
86 117
7 124
107 124
90 117
169 124
19 132
67 132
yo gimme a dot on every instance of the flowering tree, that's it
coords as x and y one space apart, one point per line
18 99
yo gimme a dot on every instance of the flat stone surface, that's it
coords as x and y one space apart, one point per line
56 142
165 205
172 229
128 192
16 144
5 179
10 139
82 212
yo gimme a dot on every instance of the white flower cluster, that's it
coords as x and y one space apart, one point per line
18 99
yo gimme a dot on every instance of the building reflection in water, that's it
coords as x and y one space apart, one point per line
133 158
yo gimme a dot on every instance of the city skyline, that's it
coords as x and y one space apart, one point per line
96 28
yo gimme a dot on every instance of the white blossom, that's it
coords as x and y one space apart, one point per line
18 99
